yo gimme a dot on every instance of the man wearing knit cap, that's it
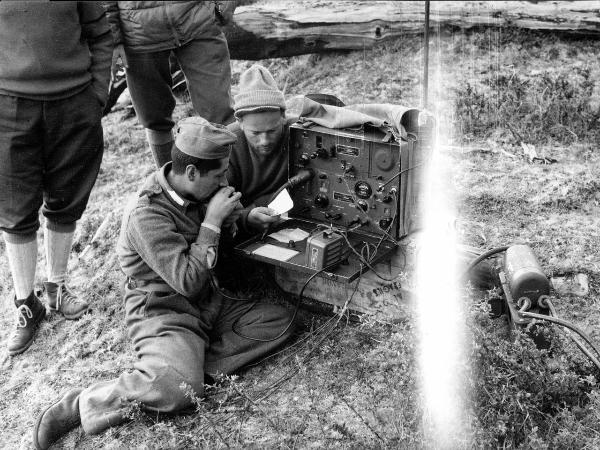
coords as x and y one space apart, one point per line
180 324
259 158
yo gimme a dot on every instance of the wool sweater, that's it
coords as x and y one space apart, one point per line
257 177
53 50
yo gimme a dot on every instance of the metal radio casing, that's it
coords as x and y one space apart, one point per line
353 183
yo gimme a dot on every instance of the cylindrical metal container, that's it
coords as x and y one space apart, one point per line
524 274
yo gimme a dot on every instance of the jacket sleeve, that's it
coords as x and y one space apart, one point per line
114 21
95 31
224 11
184 267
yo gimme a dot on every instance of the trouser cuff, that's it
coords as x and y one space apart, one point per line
60 227
12 238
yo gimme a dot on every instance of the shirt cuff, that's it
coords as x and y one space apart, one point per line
210 226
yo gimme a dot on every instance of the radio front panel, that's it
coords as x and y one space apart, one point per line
351 185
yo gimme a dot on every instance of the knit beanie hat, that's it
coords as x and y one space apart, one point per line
257 92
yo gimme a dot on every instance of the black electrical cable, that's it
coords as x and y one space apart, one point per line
552 319
570 326
269 390
295 313
363 261
398 174
481 257
583 349
571 335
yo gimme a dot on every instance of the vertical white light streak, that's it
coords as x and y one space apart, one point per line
441 326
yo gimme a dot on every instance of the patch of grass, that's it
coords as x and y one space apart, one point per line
544 108
523 395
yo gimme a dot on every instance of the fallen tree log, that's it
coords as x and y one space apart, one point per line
275 29
288 28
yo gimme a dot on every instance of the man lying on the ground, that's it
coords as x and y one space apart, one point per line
258 165
181 328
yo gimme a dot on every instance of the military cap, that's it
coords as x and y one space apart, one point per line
202 139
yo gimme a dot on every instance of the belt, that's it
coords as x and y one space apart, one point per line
148 286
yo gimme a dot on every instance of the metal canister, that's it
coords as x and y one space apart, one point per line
524 274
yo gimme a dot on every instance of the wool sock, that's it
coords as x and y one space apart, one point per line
22 259
161 143
58 238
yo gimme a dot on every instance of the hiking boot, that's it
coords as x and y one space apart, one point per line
30 312
57 420
61 299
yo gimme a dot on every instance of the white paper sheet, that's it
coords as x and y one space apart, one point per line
289 234
274 252
282 203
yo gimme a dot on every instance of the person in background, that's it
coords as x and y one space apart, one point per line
54 71
258 165
180 324
145 35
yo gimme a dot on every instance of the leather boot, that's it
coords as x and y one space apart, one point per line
61 299
30 312
57 420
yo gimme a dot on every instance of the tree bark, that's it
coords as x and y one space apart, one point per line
287 28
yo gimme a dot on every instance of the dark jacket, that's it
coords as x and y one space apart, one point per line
155 26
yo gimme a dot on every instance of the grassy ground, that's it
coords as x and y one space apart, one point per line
355 385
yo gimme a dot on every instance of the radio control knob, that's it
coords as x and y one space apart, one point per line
362 205
304 159
385 223
322 153
322 201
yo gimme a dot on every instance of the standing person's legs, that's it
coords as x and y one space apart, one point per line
205 64
21 144
72 154
244 332
149 82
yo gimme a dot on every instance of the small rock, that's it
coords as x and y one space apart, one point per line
571 284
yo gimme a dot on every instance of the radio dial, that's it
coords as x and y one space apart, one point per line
363 189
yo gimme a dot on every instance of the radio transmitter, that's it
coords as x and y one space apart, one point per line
359 196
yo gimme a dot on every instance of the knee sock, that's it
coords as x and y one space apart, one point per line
58 238
22 258
161 143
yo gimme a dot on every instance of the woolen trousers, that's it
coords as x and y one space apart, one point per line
205 64
176 342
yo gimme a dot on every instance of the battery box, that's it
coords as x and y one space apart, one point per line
362 198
